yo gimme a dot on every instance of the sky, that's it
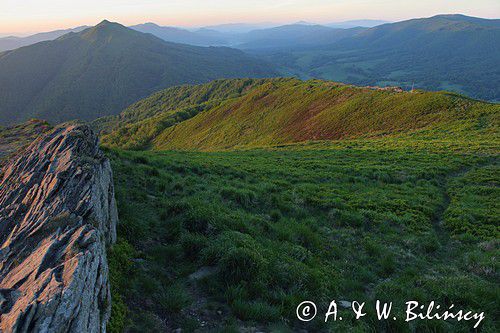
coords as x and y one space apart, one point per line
29 16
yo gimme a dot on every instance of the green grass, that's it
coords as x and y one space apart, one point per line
392 219
306 191
474 207
283 111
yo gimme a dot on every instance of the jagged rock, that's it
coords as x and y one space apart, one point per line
57 214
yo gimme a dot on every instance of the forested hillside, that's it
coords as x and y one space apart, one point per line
446 52
101 70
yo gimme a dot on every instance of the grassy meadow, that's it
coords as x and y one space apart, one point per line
228 241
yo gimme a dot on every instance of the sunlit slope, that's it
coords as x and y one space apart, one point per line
281 111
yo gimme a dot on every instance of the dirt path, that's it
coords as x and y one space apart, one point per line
438 222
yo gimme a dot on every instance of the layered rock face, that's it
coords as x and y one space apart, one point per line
57 214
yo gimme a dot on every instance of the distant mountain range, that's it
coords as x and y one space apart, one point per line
11 42
238 28
356 23
216 35
445 52
294 36
202 37
101 70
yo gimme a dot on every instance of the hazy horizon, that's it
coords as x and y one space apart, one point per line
32 17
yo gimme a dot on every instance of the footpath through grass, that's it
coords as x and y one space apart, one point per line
263 230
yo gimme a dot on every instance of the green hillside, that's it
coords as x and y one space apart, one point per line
168 102
101 70
306 191
445 52
283 111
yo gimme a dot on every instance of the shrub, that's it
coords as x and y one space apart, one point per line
372 248
429 243
275 215
141 160
307 237
198 218
153 172
119 311
350 218
145 321
387 264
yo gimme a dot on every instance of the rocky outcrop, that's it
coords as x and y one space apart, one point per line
57 214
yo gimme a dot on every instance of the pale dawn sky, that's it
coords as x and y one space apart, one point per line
28 16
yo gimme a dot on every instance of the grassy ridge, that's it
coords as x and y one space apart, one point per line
145 119
280 111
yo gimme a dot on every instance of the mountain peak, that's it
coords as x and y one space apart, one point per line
460 18
104 22
151 24
304 23
456 17
103 29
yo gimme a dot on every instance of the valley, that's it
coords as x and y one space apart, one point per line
87 73
432 54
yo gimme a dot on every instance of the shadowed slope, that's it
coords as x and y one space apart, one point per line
101 70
